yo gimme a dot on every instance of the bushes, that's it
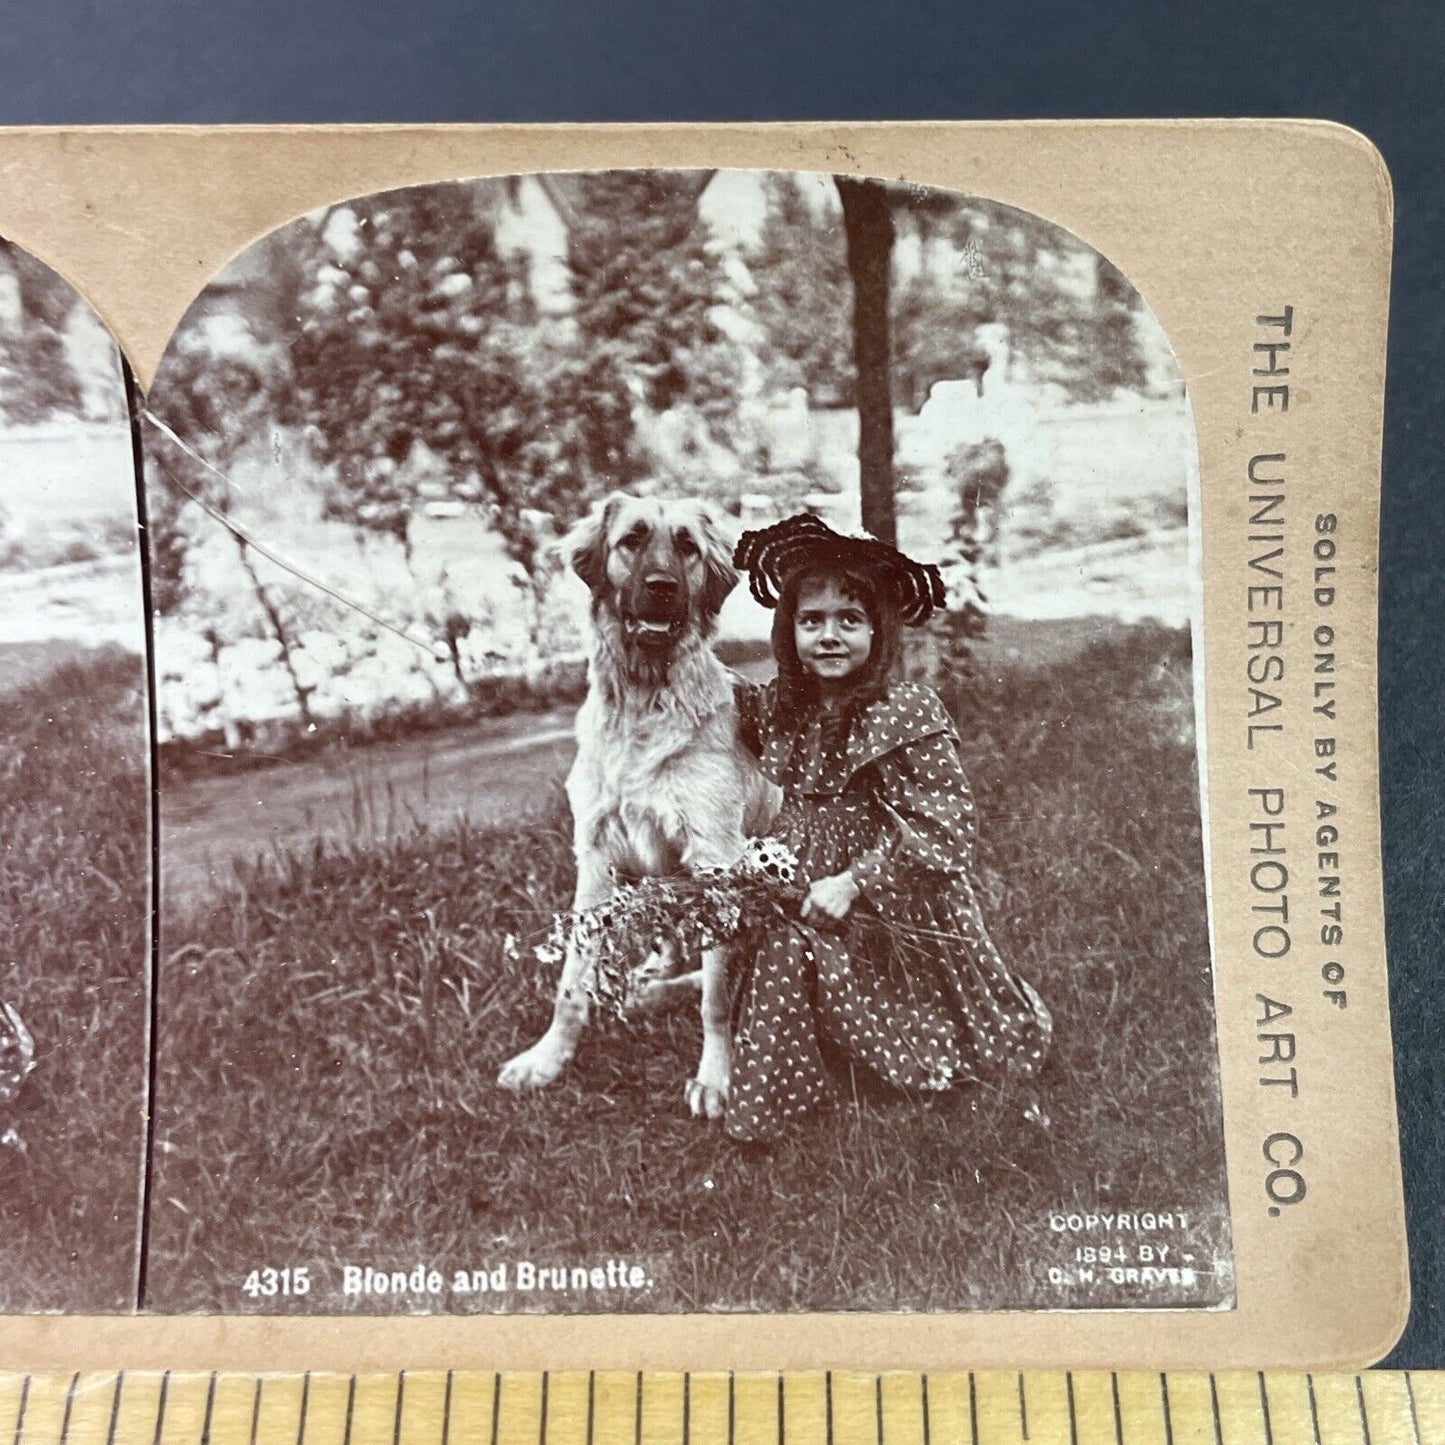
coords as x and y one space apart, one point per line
289 740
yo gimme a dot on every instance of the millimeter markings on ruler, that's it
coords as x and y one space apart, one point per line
472 1407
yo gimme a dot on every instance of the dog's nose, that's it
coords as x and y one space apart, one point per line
659 584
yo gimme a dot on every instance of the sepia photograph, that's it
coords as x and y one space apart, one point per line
75 807
679 763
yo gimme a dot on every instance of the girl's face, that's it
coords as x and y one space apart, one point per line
831 631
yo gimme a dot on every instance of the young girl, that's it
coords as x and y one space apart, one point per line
888 971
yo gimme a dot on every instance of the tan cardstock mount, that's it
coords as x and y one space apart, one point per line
1216 223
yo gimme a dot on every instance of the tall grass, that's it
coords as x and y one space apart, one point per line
74 898
332 1024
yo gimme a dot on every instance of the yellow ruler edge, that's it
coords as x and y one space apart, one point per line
473 1407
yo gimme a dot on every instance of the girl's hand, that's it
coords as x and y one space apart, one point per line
831 897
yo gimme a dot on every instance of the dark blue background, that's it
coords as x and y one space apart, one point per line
68 62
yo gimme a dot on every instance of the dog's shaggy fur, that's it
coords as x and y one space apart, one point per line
660 783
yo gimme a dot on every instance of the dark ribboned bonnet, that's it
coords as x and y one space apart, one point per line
770 555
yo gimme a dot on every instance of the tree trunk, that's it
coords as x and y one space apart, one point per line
868 224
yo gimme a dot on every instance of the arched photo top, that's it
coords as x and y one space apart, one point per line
68 492
372 440
74 806
521 345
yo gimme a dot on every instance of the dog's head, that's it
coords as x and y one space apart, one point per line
659 565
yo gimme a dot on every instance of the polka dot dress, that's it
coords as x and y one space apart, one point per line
909 987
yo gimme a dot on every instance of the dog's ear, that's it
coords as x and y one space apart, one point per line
585 546
719 574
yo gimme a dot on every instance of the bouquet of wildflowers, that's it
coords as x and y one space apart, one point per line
706 909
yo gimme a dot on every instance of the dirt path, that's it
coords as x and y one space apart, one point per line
488 776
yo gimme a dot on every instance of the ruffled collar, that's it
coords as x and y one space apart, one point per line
807 760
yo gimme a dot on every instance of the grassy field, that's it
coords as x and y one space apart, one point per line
332 1024
74 890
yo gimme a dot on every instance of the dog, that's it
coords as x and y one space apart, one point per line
660 784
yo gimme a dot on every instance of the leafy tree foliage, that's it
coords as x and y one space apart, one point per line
429 334
37 380
217 401
646 285
406 343
422 336
1067 315
804 299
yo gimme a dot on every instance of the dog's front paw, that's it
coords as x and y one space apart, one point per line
706 1100
707 1092
533 1068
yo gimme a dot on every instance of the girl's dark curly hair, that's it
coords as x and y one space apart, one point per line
798 692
